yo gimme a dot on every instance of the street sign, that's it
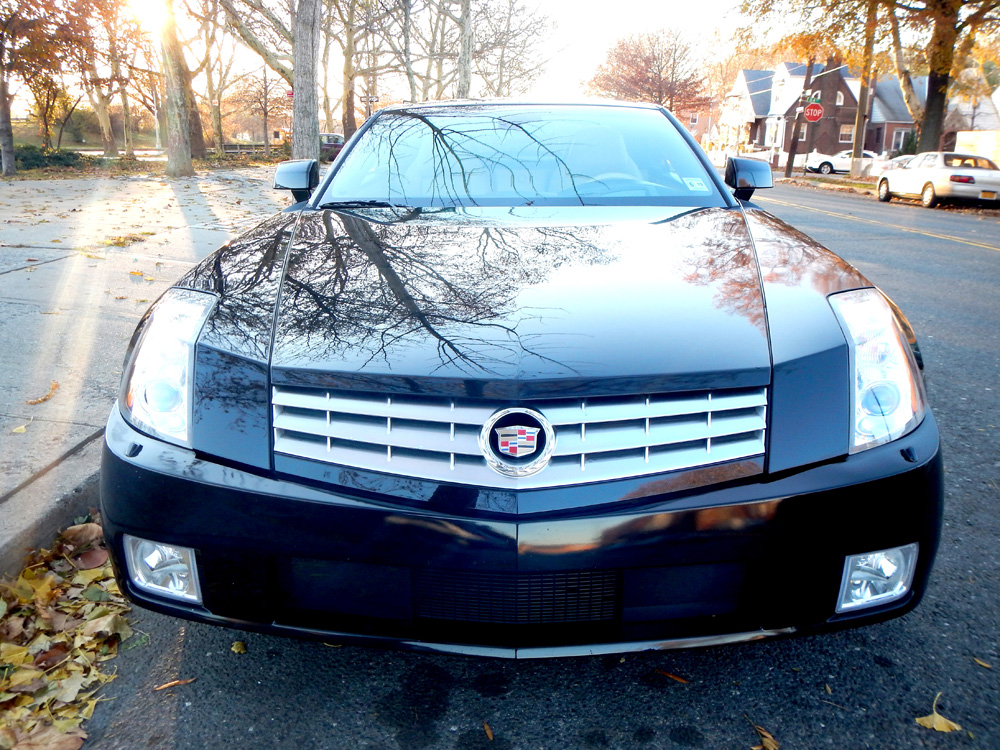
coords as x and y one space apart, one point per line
813 112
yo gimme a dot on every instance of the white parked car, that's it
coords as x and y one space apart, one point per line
937 176
839 162
883 165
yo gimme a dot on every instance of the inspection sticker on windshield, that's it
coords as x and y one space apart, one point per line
694 183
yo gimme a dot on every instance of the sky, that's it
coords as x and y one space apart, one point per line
587 29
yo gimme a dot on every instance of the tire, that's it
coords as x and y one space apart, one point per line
928 198
826 167
883 191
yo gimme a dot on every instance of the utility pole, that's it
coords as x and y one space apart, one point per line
861 119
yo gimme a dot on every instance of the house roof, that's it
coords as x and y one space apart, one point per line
758 84
888 104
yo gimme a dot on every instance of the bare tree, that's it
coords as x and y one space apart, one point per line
658 67
508 55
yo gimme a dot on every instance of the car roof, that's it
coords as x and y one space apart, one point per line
462 103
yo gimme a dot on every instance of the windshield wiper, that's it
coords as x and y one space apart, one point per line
361 204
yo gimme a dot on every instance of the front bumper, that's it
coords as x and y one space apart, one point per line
716 565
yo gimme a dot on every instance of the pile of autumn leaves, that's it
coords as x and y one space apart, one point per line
59 620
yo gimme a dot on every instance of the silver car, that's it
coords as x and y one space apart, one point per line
937 176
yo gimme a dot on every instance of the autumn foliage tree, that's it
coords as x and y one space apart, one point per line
658 67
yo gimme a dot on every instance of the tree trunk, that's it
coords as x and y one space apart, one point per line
861 118
411 77
465 50
327 103
910 98
305 105
215 112
178 124
350 72
127 136
100 101
940 54
65 120
265 110
6 129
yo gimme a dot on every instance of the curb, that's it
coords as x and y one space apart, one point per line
33 513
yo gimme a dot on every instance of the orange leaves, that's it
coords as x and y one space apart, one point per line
673 676
175 683
53 387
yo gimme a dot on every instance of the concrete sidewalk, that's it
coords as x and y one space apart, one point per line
80 262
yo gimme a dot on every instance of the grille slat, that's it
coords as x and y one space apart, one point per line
517 598
597 439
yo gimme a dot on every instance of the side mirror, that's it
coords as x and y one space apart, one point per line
747 175
301 176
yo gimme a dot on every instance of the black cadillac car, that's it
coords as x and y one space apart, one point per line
523 380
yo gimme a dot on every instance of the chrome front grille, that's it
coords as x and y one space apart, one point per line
597 439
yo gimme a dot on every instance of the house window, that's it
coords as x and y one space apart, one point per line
898 136
846 133
840 98
802 132
694 118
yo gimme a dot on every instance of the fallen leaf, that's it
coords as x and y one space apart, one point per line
489 732
96 557
108 625
82 535
981 663
829 690
239 647
50 738
936 721
673 676
175 683
767 741
23 428
48 659
53 387
136 273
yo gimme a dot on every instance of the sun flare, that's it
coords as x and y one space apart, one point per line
152 14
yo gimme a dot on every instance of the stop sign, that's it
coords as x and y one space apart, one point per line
813 112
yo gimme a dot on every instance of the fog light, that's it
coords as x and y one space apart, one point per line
877 577
162 569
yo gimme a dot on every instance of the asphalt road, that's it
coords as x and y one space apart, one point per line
854 689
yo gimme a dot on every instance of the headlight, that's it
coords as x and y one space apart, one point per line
887 400
156 387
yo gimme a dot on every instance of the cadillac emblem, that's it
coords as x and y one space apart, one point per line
517 442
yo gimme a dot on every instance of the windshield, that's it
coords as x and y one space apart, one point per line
506 155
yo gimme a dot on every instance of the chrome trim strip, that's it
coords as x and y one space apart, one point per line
597 649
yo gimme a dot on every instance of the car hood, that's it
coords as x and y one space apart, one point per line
521 303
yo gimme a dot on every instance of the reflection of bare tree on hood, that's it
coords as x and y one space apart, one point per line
371 286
